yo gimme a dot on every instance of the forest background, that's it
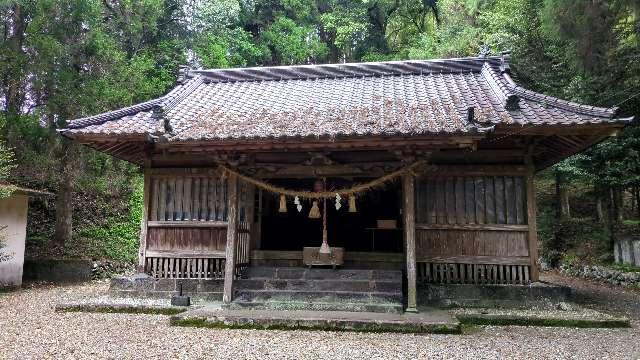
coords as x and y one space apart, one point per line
65 59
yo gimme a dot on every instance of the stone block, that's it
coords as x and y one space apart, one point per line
250 284
165 285
188 285
341 285
121 283
387 286
143 283
275 284
290 273
261 272
491 295
211 285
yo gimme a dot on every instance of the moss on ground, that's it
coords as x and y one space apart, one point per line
372 328
536 321
125 310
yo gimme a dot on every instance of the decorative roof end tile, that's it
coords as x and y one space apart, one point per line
504 62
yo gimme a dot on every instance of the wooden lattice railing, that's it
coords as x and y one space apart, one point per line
185 268
458 273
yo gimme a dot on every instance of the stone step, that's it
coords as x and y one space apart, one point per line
298 273
385 286
393 308
317 296
427 321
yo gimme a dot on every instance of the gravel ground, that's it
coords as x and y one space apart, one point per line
29 328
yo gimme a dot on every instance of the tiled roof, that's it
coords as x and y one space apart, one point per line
413 97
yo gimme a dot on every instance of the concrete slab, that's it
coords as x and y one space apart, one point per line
108 304
426 321
572 316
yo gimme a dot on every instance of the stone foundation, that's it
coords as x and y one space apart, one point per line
535 295
142 285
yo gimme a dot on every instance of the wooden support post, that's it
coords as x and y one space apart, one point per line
143 223
409 213
230 251
531 221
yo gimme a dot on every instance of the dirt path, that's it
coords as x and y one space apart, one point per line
599 295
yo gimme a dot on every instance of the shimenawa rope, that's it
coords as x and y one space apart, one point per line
357 189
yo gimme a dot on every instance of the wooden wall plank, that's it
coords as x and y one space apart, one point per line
162 204
479 199
489 200
501 205
461 217
171 191
450 200
431 198
469 200
441 205
153 208
519 196
204 203
187 208
510 201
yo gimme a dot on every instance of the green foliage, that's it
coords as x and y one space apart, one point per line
573 240
7 163
291 43
3 236
118 238
624 267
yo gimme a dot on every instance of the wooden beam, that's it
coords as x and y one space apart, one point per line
531 221
437 170
489 260
583 129
187 254
409 214
473 227
143 222
188 224
230 251
368 142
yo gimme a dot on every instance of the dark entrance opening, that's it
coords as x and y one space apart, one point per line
369 229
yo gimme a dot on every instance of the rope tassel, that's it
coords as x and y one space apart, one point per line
314 213
283 204
352 204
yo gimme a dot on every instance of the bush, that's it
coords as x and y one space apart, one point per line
573 240
116 239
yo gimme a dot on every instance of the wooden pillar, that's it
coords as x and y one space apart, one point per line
230 250
143 223
531 221
409 213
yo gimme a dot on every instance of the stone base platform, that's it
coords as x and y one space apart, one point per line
427 321
534 295
144 286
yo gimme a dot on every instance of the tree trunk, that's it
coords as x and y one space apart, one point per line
636 195
64 202
599 209
13 76
616 200
562 196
